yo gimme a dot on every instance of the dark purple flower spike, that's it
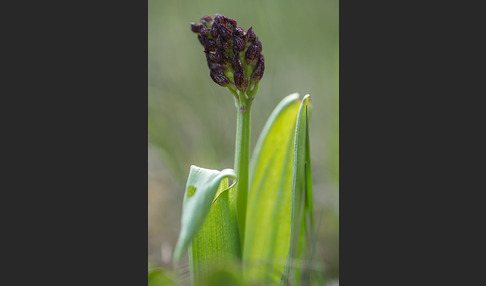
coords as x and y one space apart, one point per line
234 56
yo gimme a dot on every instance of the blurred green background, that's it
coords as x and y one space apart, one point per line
192 120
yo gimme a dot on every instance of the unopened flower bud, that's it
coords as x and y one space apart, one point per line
218 77
252 54
225 32
222 44
238 31
240 80
258 44
220 19
257 74
201 39
236 63
209 45
204 31
214 30
207 21
230 23
196 28
238 44
250 36
216 57
223 58
211 57
215 66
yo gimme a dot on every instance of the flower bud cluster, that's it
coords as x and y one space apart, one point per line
234 56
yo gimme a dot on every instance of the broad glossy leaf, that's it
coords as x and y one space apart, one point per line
276 199
201 189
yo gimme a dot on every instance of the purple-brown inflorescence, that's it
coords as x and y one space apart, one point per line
234 56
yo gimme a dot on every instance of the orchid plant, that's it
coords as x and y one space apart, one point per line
259 214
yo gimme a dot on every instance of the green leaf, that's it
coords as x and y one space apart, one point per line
301 209
276 199
218 241
201 189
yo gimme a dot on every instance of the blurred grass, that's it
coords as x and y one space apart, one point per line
191 120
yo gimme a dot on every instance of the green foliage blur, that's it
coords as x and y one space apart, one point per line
192 120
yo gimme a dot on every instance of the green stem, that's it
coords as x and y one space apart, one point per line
242 160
